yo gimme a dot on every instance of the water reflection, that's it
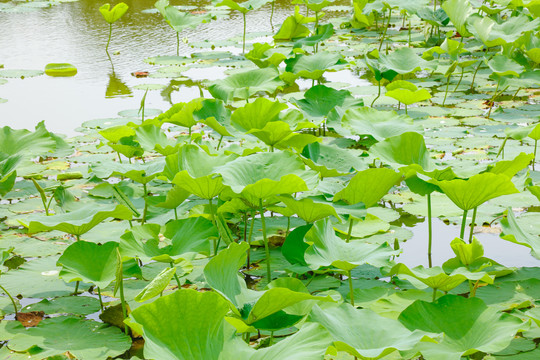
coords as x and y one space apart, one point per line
117 88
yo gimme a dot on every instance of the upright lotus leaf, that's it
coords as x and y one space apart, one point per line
141 173
274 134
264 55
307 209
459 12
263 175
319 100
179 20
403 61
181 114
26 143
493 34
115 133
435 18
128 147
436 278
221 273
322 32
369 186
157 285
8 175
403 92
535 190
293 27
152 138
83 339
243 7
473 192
327 249
257 114
183 325
368 121
467 253
504 66
513 232
313 66
89 262
363 333
78 222
114 14
189 235
406 149
245 84
468 325
331 161
511 167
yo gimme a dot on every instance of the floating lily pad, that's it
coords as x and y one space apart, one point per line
60 69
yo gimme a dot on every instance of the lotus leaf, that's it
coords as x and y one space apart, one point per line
60 69
313 66
511 231
114 14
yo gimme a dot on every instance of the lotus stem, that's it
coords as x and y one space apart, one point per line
177 44
109 40
212 218
288 226
123 302
245 226
474 75
176 277
272 15
463 222
266 248
534 157
430 230
247 338
249 239
446 91
10 298
460 78
409 31
100 299
515 94
434 5
349 233
434 295
316 21
244 35
472 224
473 291
493 99
385 29
219 143
351 289
145 211
76 288
406 110
378 94
119 157
175 214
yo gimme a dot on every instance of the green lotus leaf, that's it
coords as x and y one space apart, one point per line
511 167
79 221
27 143
141 173
205 187
294 247
180 20
263 175
157 285
181 113
535 190
319 100
406 149
467 253
313 66
347 326
369 186
331 161
459 12
84 339
504 66
493 34
222 274
323 32
473 192
243 7
327 249
112 15
403 92
60 69
368 121
195 161
89 262
76 305
257 114
151 138
293 27
6 182
513 232
307 209
474 326
243 85
403 61
435 18
273 133
128 147
189 235
264 55
183 325
436 278
115 133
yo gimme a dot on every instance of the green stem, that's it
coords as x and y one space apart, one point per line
349 233
109 40
515 94
378 94
272 15
10 298
123 302
119 157
219 143
534 157
176 277
351 289
244 36
249 239
409 31
213 219
460 78
434 295
100 299
385 29
446 92
145 204
288 226
472 224
316 21
175 214
463 222
430 230
76 288
493 99
177 44
266 248
474 76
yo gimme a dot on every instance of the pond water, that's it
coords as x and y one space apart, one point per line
75 32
